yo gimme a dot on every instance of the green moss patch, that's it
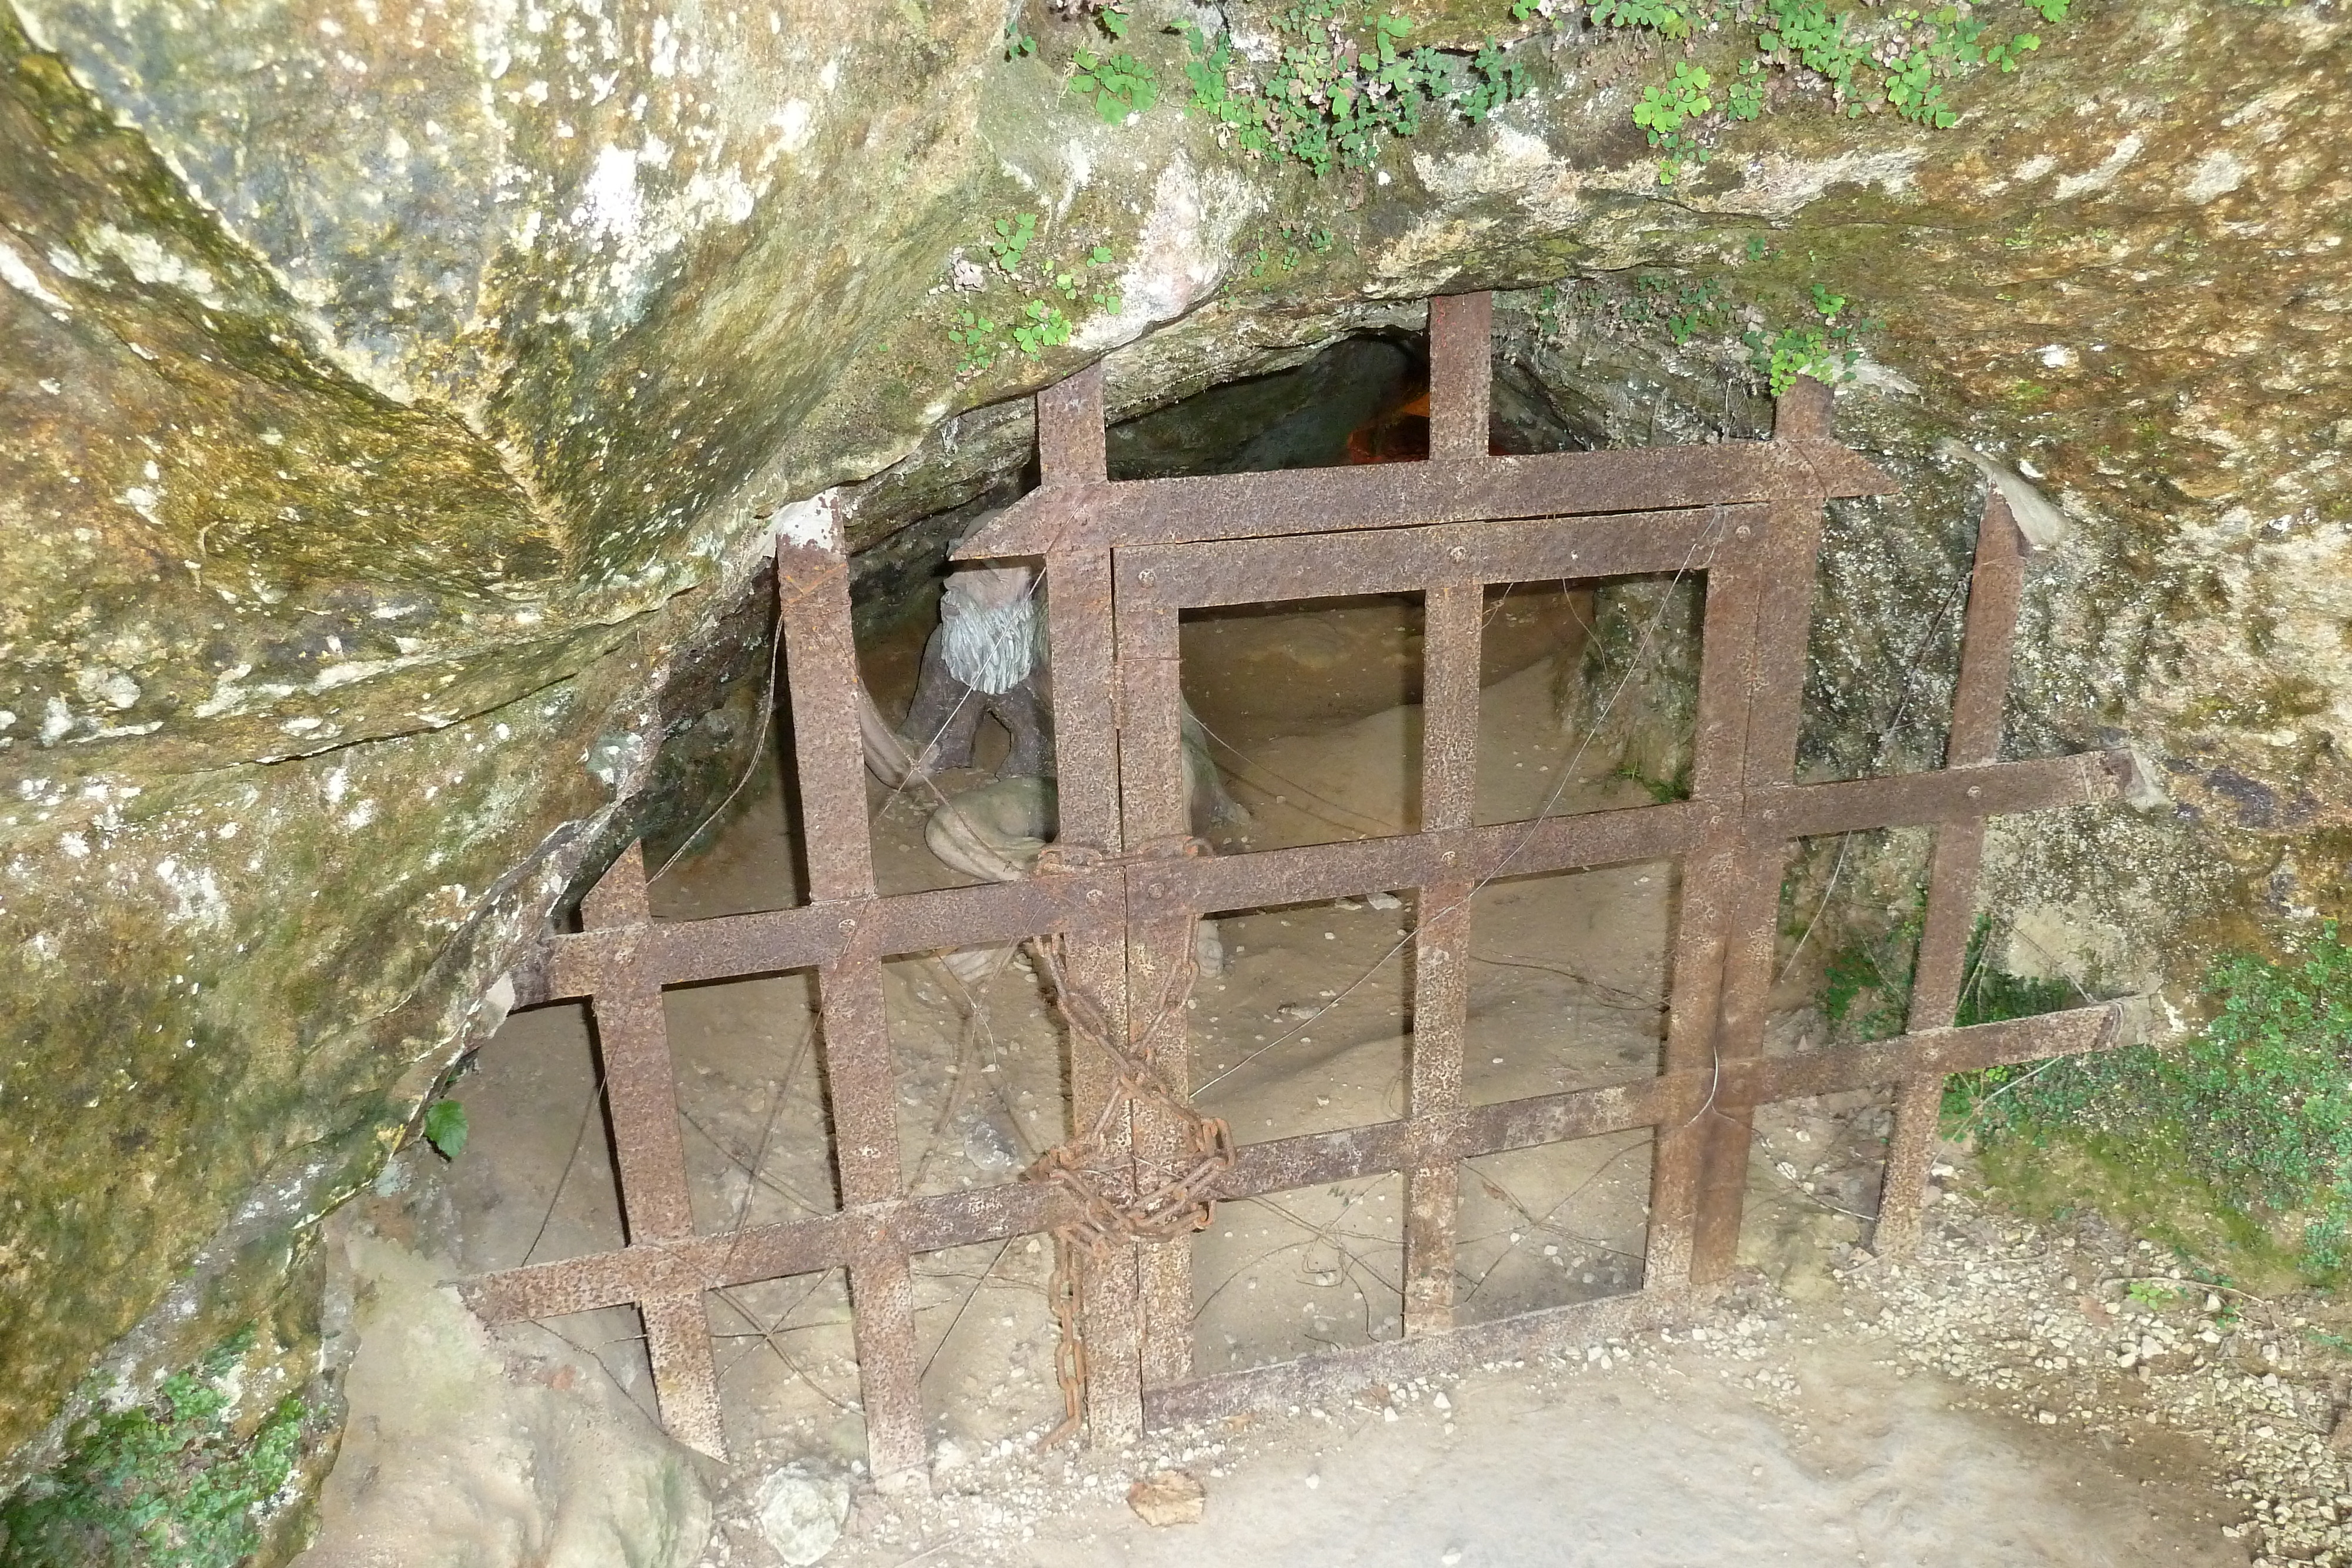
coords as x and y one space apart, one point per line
2236 1136
176 1483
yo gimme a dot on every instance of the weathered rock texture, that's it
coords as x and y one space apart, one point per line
398 393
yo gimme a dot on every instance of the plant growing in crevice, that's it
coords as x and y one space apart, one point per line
1344 82
1281 249
1038 322
1867 60
1826 348
1824 342
1663 111
445 1128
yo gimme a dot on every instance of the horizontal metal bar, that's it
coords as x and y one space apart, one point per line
1315 1159
686 952
1400 560
2075 1031
763 1252
1318 872
1198 508
731 947
989 1214
1335 1373
1950 794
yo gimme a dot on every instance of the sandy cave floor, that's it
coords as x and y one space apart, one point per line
1832 1408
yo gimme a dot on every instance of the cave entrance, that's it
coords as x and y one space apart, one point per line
1165 1165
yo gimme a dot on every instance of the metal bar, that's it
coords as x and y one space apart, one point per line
1451 644
889 1374
860 1081
685 1378
618 901
1086 709
1110 1302
821 667
1082 624
1314 1159
686 952
1997 788
1071 446
1410 495
1314 872
1935 1052
1461 375
1317 1159
1406 560
641 1097
759 1252
650 1157
1995 588
1452 634
640 1084
1787 562
821 659
1727 1122
1709 881
1156 806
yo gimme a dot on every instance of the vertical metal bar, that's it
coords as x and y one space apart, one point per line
889 1374
1082 629
1707 883
641 1097
1788 563
821 669
1071 441
1451 640
821 663
1155 802
686 1380
1995 587
619 896
1461 379
860 1079
1729 1122
640 1084
1451 637
1110 1309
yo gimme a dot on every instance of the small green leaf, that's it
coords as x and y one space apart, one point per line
445 1128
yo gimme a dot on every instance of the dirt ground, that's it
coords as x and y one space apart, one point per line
1820 1415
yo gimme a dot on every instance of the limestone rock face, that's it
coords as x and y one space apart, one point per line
399 398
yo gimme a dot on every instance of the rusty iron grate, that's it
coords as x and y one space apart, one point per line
1121 559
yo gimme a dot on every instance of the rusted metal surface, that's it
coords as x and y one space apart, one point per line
1452 624
1116 899
1461 375
1987 639
1399 495
1406 560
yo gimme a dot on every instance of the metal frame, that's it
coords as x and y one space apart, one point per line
1121 559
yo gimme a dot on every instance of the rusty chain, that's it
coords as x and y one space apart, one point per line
1112 1207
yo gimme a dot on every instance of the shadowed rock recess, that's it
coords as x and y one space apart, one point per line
400 398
